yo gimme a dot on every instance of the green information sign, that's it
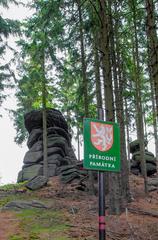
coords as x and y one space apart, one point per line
101 145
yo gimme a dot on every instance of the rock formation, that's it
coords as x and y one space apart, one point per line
60 151
136 160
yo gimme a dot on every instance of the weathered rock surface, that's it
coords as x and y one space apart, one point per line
20 204
135 170
33 137
136 159
149 157
71 172
153 184
134 146
36 182
30 172
59 150
152 188
33 120
32 157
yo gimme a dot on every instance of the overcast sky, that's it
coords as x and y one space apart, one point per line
11 155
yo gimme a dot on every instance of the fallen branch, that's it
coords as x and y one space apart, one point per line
142 212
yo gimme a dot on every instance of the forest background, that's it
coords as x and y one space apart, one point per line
80 56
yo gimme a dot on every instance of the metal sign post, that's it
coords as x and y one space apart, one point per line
101 153
101 184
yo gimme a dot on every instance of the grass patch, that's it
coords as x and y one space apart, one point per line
42 224
22 237
13 186
35 224
5 200
15 237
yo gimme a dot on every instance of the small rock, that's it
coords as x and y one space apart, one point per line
73 210
37 183
152 188
20 204
153 181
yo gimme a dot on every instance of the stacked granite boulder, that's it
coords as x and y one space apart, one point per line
60 151
136 159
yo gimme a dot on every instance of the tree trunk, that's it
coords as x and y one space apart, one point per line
127 131
97 74
45 160
78 143
154 114
119 86
83 57
85 84
153 66
114 178
154 124
138 99
153 46
44 99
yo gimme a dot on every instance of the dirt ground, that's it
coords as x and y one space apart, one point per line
138 222
9 225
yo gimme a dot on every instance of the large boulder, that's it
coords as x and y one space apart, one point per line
135 146
150 160
59 149
33 120
149 157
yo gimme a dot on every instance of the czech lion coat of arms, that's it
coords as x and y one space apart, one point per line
102 136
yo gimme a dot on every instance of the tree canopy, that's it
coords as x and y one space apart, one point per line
90 55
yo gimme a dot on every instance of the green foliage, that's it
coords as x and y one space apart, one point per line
36 86
18 117
17 237
11 192
13 186
5 200
52 36
7 27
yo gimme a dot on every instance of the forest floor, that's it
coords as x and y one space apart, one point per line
72 215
